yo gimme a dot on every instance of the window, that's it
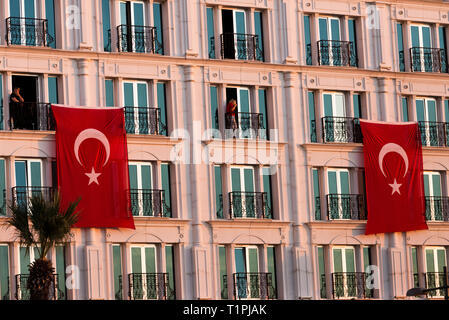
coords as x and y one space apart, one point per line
53 90
106 19
117 271
311 100
4 272
322 272
139 117
214 109
307 40
242 195
223 272
400 36
405 116
435 261
414 256
109 92
246 262
421 46
218 192
338 198
427 116
316 193
210 32
344 271
432 191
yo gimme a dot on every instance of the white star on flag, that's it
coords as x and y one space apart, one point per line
395 187
93 176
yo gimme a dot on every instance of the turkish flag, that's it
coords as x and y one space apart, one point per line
393 177
92 160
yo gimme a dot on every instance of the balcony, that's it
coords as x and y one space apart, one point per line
434 280
148 203
142 39
341 129
251 205
27 32
437 209
337 53
22 292
149 286
253 285
434 134
428 59
348 285
21 196
143 120
240 46
245 125
346 207
35 116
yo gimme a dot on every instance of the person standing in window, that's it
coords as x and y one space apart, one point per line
231 112
16 108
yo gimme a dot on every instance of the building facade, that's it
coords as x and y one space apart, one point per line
264 203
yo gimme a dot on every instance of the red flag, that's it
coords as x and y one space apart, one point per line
394 177
92 161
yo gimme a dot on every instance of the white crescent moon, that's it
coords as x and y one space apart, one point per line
392 147
92 134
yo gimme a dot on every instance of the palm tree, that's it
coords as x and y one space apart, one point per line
42 224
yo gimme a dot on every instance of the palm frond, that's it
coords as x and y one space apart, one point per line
19 221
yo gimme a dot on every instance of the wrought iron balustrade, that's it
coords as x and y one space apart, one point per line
254 285
428 59
350 285
31 116
437 208
240 46
148 203
434 134
21 196
337 53
144 120
149 286
346 207
27 32
23 293
341 129
434 280
249 205
132 38
245 125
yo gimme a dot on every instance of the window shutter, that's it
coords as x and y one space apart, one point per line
430 262
161 104
136 260
338 260
366 257
311 100
157 18
36 179
259 33
243 100
249 180
441 259
405 109
316 194
307 40
240 260
2 189
263 111
327 99
332 182
117 266
266 177
165 174
400 41
353 39
170 270
223 271
210 32
253 260
1 103
24 261
446 110
4 272
128 94
145 171
20 171
443 54
109 92
218 192
133 176
53 90
350 263
214 108
235 179
150 260
271 265
106 17
420 110
356 98
60 268
50 16
344 182
142 103
321 271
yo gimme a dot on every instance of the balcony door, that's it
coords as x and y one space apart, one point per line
25 258
235 44
339 202
132 16
28 177
432 192
247 272
243 201
335 124
330 48
422 57
140 184
244 118
139 119
143 278
435 261
426 113
344 280
23 29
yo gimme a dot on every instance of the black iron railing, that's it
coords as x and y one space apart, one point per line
434 280
27 32
240 46
437 208
346 207
131 38
21 196
254 285
350 285
341 129
337 53
143 120
23 293
249 205
245 125
31 116
149 286
434 134
428 59
149 203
